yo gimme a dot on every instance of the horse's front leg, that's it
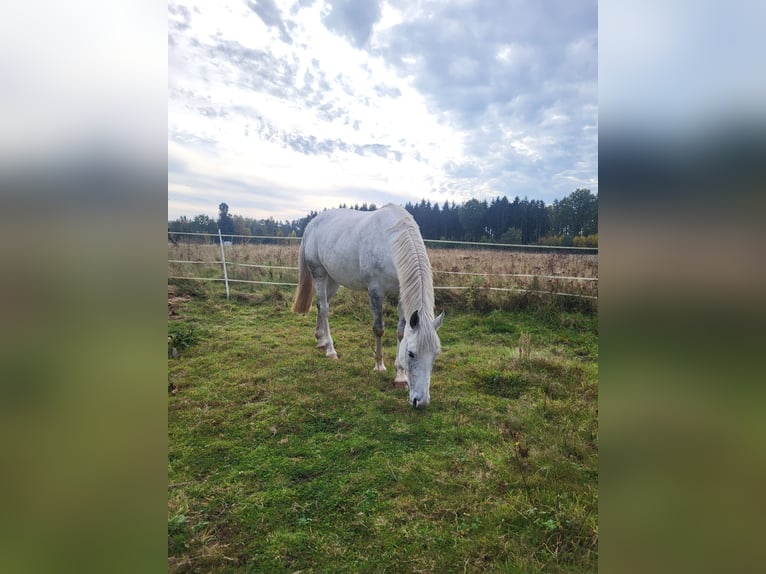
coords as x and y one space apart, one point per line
401 375
376 304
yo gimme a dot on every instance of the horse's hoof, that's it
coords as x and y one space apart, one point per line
380 369
332 355
400 385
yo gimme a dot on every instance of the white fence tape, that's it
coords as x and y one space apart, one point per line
233 280
527 275
440 288
436 271
515 246
462 287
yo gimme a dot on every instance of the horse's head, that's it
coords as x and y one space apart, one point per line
417 352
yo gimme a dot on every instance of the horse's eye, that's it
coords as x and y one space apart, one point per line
411 354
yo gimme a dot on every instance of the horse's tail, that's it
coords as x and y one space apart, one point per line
305 293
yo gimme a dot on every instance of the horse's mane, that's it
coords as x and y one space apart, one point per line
416 287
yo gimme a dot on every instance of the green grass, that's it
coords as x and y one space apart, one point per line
282 460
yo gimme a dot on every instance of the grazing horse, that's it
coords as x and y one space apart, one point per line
383 253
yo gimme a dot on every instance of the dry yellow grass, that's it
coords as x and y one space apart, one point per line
453 268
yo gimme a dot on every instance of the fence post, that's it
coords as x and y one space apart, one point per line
223 260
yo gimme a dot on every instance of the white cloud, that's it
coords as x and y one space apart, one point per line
285 110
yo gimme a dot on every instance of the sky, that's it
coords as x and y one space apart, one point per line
279 107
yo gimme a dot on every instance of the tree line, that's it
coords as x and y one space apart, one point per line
572 220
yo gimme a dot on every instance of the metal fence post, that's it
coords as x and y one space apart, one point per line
223 260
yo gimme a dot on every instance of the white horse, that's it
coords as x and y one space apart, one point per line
383 253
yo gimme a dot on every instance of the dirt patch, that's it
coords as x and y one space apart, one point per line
175 299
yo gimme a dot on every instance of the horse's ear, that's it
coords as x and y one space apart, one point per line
438 321
414 320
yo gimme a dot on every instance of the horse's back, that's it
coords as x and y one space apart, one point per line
353 246
339 223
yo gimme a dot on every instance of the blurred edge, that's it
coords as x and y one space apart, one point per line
682 166
682 278
83 184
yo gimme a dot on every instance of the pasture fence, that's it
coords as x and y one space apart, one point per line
280 275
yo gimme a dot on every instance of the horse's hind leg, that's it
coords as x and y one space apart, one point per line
325 288
376 304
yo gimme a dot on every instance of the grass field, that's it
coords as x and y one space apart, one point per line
281 460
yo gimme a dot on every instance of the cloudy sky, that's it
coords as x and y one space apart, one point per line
280 107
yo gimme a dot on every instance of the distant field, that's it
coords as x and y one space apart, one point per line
465 268
281 460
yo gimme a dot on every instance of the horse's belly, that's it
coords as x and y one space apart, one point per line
350 282
359 272
361 281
